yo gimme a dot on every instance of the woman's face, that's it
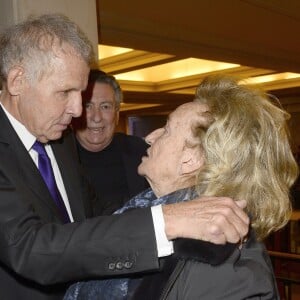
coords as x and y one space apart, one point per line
167 150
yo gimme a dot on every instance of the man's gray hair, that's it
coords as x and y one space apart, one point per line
33 43
102 77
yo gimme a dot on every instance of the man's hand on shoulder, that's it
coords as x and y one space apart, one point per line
213 219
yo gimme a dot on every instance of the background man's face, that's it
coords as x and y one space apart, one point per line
101 116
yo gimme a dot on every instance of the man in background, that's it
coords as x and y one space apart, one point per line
110 159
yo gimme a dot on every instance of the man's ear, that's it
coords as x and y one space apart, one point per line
192 160
15 80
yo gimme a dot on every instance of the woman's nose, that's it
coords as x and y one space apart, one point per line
152 136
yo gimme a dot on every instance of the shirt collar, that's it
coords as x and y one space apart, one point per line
25 136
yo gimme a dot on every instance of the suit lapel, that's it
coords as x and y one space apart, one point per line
19 166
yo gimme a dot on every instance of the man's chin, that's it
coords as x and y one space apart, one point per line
55 136
96 137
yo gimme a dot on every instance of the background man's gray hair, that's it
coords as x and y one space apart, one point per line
102 77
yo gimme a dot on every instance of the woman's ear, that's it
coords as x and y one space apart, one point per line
15 80
192 160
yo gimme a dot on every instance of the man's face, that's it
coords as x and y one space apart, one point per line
101 118
162 162
47 105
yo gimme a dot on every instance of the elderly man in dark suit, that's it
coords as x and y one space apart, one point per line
46 237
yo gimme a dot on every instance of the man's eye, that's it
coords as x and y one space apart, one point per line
106 106
65 93
87 105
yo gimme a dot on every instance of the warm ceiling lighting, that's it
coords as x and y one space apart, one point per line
272 77
149 73
108 51
173 70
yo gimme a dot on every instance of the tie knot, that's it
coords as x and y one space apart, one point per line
39 148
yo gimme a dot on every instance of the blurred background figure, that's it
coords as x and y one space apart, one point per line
110 159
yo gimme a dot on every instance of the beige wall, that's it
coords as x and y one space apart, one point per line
83 12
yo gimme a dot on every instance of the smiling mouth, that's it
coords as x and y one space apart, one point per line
97 130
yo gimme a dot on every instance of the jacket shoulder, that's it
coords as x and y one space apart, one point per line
130 142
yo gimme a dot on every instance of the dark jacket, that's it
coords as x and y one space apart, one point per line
38 253
132 149
115 186
245 274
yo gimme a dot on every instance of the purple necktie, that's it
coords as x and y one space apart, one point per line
46 171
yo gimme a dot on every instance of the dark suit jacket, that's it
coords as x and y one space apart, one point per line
37 252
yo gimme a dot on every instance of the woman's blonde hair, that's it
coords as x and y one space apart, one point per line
248 155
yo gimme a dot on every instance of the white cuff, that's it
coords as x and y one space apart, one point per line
164 246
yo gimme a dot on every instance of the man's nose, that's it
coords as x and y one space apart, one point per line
96 114
75 107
